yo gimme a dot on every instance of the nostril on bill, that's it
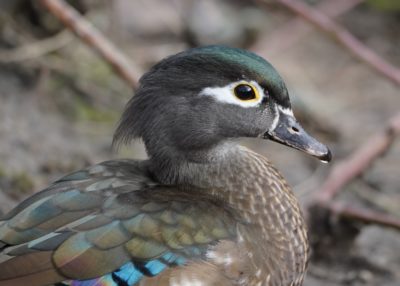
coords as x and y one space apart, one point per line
293 129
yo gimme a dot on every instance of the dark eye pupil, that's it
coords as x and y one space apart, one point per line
245 92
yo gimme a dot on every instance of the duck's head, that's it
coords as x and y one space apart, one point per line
201 97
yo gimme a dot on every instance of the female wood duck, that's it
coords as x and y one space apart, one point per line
202 210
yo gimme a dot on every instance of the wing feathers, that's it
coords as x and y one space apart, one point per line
109 222
144 249
45 277
27 264
108 236
77 258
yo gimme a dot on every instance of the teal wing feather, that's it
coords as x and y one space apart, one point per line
109 222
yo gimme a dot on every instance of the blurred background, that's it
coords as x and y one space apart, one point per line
60 102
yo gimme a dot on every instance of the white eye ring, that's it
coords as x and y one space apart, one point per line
226 94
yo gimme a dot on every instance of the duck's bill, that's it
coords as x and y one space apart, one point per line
290 133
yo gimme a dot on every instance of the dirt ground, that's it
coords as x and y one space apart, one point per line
58 111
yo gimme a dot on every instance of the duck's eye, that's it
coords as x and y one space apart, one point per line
245 92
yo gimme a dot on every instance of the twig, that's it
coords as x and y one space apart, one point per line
344 37
387 203
357 163
363 214
291 32
354 166
36 49
89 34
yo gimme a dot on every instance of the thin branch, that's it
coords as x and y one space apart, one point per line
36 49
89 34
327 25
387 203
359 161
288 34
363 214
351 168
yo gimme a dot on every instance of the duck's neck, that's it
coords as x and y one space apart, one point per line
273 228
202 169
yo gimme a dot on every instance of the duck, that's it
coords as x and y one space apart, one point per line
201 210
